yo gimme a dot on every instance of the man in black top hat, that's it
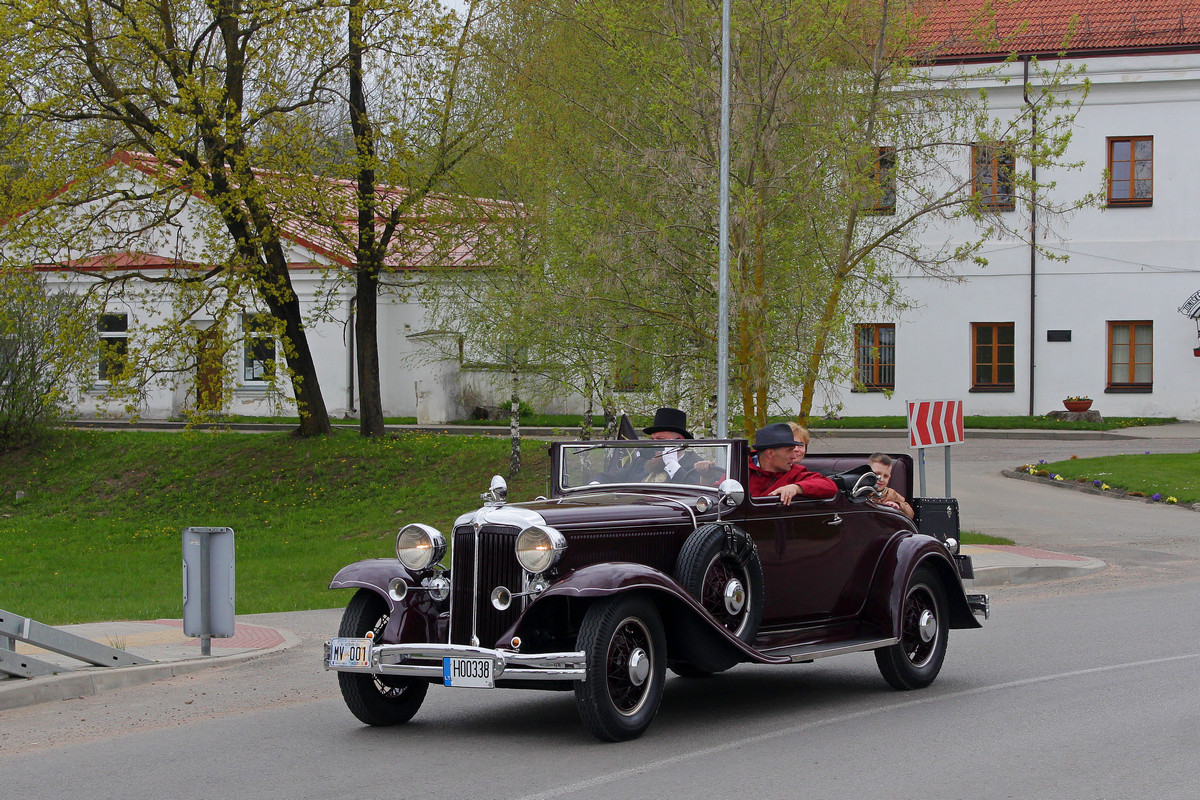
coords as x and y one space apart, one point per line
669 423
665 465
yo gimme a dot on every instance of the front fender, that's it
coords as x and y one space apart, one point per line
581 587
413 619
904 555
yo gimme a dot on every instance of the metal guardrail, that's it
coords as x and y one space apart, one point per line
14 627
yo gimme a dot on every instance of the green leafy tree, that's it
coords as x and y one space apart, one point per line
844 149
45 342
198 86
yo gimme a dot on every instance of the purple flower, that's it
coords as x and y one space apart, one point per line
1095 483
1041 461
1156 497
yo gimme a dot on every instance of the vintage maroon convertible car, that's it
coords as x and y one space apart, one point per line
612 579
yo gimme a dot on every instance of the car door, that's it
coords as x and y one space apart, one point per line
818 556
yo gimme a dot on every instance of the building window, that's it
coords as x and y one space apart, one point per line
992 170
875 357
633 370
992 356
114 346
8 358
883 182
258 362
1131 171
1131 356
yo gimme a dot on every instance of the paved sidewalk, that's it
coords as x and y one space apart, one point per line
161 641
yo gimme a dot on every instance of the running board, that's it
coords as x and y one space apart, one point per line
810 652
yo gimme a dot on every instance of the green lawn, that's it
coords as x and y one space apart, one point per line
90 521
97 532
1165 474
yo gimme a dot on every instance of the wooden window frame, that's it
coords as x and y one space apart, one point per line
1129 199
877 364
1115 384
995 364
1003 164
883 182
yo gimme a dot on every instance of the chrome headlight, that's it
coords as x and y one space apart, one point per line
420 546
539 547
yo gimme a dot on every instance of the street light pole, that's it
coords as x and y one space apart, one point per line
723 240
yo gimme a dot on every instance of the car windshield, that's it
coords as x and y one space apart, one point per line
673 461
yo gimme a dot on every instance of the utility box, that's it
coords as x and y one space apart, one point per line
208 583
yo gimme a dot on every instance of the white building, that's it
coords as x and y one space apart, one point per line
429 388
1111 323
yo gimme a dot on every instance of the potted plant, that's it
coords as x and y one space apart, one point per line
1078 403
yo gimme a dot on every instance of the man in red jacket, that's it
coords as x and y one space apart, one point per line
774 475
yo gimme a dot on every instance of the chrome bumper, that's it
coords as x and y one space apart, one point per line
980 604
425 661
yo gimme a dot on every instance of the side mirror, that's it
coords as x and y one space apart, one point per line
866 485
730 493
497 490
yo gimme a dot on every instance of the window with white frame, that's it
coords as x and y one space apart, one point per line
113 330
258 360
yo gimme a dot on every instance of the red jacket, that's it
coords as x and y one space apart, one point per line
812 484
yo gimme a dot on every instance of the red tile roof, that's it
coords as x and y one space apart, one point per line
951 31
437 233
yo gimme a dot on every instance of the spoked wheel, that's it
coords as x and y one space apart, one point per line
624 643
916 660
723 572
725 592
376 699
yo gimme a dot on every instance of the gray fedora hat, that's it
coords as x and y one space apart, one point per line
777 434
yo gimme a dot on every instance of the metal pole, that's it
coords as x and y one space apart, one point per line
948 492
205 596
921 464
723 240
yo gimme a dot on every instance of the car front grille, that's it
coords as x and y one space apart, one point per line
497 567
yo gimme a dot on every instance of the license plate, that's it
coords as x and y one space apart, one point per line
350 653
475 672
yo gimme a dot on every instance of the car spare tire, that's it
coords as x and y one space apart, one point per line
719 566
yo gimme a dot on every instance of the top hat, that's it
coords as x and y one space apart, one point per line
777 434
670 419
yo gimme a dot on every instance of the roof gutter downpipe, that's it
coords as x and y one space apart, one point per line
1032 237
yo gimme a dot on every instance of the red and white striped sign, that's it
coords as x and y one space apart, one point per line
935 422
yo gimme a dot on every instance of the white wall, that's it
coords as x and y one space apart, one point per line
1125 264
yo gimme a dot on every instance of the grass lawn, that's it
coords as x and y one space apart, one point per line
97 532
91 521
1166 474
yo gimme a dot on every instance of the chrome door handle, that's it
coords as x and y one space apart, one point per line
837 520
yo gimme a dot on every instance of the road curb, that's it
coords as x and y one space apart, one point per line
1088 488
89 681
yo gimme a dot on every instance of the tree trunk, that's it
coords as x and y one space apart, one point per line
366 324
514 429
314 417
368 254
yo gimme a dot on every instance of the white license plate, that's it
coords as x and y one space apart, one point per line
350 653
475 672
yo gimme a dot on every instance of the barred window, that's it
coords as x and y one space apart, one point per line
875 356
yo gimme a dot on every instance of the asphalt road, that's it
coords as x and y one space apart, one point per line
1084 688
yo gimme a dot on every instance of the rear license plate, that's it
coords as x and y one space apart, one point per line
350 653
475 672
